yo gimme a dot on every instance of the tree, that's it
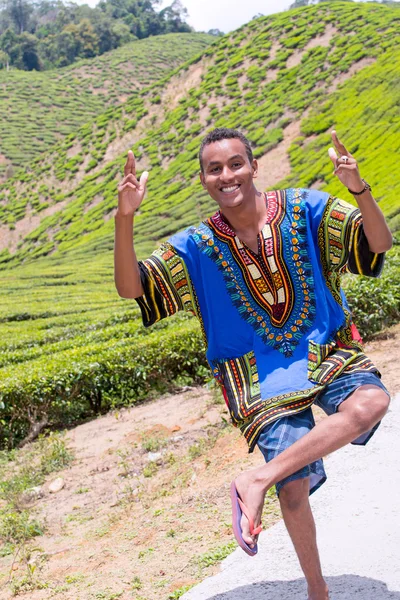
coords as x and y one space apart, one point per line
4 60
28 53
67 45
89 43
19 12
9 44
174 17
121 34
65 31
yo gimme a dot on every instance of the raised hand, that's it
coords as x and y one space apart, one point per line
346 167
131 191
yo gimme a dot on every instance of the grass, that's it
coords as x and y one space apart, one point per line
213 557
20 471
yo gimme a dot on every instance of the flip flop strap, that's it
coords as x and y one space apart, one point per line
253 531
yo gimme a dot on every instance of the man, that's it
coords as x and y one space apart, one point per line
263 277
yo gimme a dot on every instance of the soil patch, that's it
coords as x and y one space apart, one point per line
275 165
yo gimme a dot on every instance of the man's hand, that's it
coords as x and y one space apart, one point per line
345 164
131 191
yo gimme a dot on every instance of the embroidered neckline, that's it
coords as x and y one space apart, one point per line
266 274
280 306
221 224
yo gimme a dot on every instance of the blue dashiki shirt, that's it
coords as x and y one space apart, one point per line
276 324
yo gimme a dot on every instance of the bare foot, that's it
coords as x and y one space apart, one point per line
252 494
319 593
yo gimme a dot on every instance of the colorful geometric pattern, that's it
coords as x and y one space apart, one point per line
344 248
336 232
238 378
167 286
338 226
272 291
332 366
361 260
317 354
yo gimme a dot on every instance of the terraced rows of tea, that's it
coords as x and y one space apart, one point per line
285 80
38 109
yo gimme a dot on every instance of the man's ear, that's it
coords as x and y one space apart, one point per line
202 179
254 166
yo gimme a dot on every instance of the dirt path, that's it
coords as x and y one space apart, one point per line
145 510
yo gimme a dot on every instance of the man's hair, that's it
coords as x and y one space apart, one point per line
223 133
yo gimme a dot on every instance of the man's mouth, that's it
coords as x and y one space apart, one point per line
229 189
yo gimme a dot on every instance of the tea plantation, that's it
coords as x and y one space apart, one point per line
69 346
38 109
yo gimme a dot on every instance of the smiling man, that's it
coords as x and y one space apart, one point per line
263 277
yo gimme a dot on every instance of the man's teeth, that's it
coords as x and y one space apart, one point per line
231 188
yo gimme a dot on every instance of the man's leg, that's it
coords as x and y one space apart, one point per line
299 521
357 415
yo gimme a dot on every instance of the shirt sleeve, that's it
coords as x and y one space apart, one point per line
166 284
343 244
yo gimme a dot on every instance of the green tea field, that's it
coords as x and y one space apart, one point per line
39 109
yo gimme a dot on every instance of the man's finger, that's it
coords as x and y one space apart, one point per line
130 166
127 167
338 144
333 156
132 179
123 186
143 180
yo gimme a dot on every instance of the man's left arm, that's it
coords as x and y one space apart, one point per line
375 227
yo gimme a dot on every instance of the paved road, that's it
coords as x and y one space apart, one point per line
358 519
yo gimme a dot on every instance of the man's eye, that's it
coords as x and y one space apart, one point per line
238 164
214 169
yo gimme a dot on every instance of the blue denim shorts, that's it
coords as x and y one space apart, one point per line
283 432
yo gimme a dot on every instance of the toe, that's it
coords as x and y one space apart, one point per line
244 524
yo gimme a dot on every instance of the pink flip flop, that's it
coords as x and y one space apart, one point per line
238 508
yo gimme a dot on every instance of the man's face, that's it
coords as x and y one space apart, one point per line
228 174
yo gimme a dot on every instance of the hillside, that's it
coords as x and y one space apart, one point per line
280 88
38 109
69 346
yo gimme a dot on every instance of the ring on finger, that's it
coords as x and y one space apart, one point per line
345 159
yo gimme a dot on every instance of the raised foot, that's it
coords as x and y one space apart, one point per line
252 494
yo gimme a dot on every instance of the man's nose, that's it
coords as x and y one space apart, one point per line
226 174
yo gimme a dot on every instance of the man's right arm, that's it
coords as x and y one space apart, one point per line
126 268
130 195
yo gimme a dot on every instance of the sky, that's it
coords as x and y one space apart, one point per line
225 15
228 15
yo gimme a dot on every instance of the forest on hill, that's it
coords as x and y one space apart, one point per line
69 346
51 33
